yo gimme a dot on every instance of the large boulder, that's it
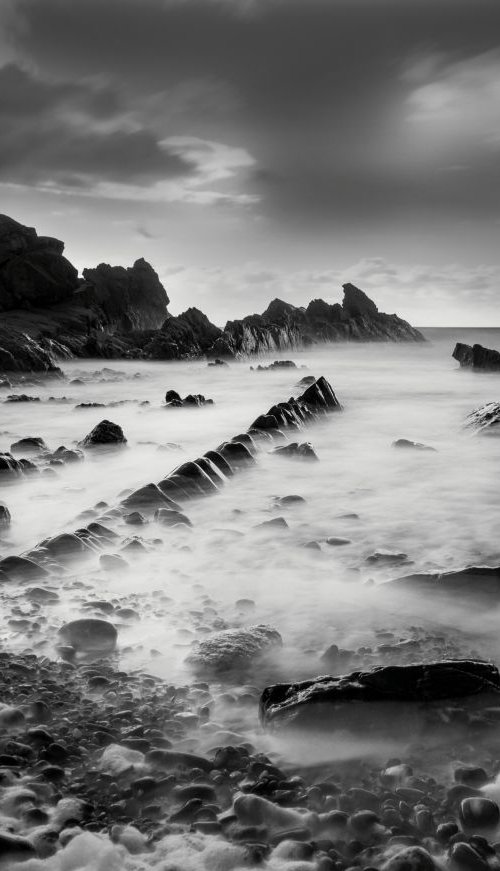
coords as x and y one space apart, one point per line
89 635
233 648
105 434
33 271
477 357
367 700
130 298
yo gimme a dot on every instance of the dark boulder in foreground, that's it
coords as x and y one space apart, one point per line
89 635
105 433
340 702
473 582
485 419
477 357
233 648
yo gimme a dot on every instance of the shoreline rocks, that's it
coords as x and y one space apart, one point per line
477 357
49 313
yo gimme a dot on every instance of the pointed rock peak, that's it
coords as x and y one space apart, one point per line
356 302
278 309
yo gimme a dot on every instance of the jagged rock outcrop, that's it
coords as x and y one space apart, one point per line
190 334
33 271
477 357
20 352
485 419
341 701
127 298
116 312
283 326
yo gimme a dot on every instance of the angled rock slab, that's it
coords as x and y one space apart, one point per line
386 699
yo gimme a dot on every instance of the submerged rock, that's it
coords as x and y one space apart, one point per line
105 433
278 364
335 701
477 357
233 648
31 444
407 444
304 451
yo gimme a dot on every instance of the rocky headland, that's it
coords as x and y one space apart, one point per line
49 313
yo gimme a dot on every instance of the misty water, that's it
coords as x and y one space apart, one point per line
439 508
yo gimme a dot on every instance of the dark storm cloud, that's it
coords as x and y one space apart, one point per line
316 90
51 134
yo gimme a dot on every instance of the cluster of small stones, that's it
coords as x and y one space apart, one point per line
95 749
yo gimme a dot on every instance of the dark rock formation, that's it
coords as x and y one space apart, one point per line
485 419
193 400
339 699
20 352
49 313
477 357
190 334
104 433
33 271
304 451
127 299
283 326
278 364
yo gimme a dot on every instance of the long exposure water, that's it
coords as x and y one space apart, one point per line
440 508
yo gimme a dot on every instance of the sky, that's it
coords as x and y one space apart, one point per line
252 149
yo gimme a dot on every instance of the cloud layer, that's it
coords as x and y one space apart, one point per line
308 133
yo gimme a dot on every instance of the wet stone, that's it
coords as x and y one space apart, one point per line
479 813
